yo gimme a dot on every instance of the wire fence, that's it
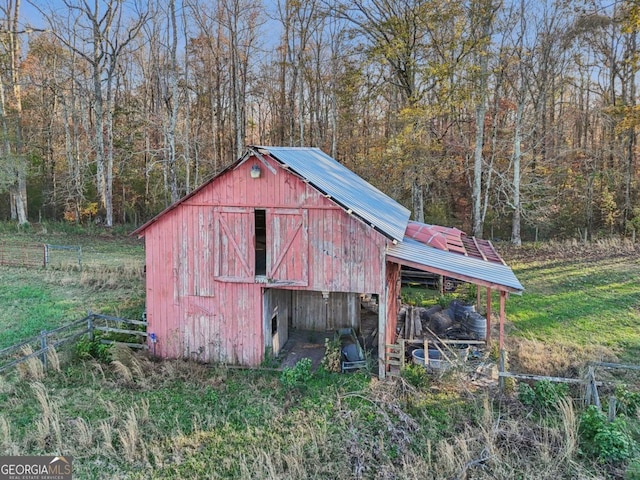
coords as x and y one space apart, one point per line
47 255
22 255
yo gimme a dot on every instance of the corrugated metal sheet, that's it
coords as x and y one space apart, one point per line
456 265
344 187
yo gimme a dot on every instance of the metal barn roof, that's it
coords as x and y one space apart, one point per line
455 265
344 187
453 240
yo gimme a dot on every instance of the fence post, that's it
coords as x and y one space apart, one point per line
612 408
43 346
80 257
90 326
591 396
46 254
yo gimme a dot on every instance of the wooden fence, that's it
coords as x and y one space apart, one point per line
52 339
449 353
588 382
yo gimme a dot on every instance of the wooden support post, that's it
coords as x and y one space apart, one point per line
501 369
503 297
488 338
383 335
409 320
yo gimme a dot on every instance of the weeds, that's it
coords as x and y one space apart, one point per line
297 375
609 442
130 437
87 348
544 397
416 375
5 433
331 361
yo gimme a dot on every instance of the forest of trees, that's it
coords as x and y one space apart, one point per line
511 119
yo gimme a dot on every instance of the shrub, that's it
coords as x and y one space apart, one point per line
86 349
543 396
297 375
628 402
633 470
607 441
415 375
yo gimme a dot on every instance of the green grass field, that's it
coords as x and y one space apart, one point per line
130 416
580 299
109 280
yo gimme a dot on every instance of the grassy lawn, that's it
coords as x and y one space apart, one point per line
110 281
579 301
130 416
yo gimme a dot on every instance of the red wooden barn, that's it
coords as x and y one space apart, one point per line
288 238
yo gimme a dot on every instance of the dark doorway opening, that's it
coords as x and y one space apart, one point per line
260 217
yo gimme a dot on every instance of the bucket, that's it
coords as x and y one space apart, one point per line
477 325
435 359
462 351
418 356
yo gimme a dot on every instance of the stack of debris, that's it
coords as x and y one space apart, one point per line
458 321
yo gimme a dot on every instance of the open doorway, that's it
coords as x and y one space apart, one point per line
313 317
277 310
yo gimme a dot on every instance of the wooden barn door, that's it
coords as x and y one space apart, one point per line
234 255
287 247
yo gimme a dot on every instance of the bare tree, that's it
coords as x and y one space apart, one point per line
105 30
15 166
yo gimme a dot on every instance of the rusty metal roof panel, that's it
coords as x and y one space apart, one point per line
344 187
456 265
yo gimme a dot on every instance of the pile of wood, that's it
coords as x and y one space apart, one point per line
414 322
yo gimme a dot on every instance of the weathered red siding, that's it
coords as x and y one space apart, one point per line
202 297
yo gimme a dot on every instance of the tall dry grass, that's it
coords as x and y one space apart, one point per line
53 360
5 433
133 446
571 248
82 434
129 366
377 432
554 359
48 426
32 368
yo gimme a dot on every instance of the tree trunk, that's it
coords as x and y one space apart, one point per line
517 155
172 103
15 154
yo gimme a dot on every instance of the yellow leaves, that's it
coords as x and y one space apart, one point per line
87 212
630 118
632 20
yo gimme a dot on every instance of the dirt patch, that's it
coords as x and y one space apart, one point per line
303 344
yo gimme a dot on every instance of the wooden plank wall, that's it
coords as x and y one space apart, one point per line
312 312
344 253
